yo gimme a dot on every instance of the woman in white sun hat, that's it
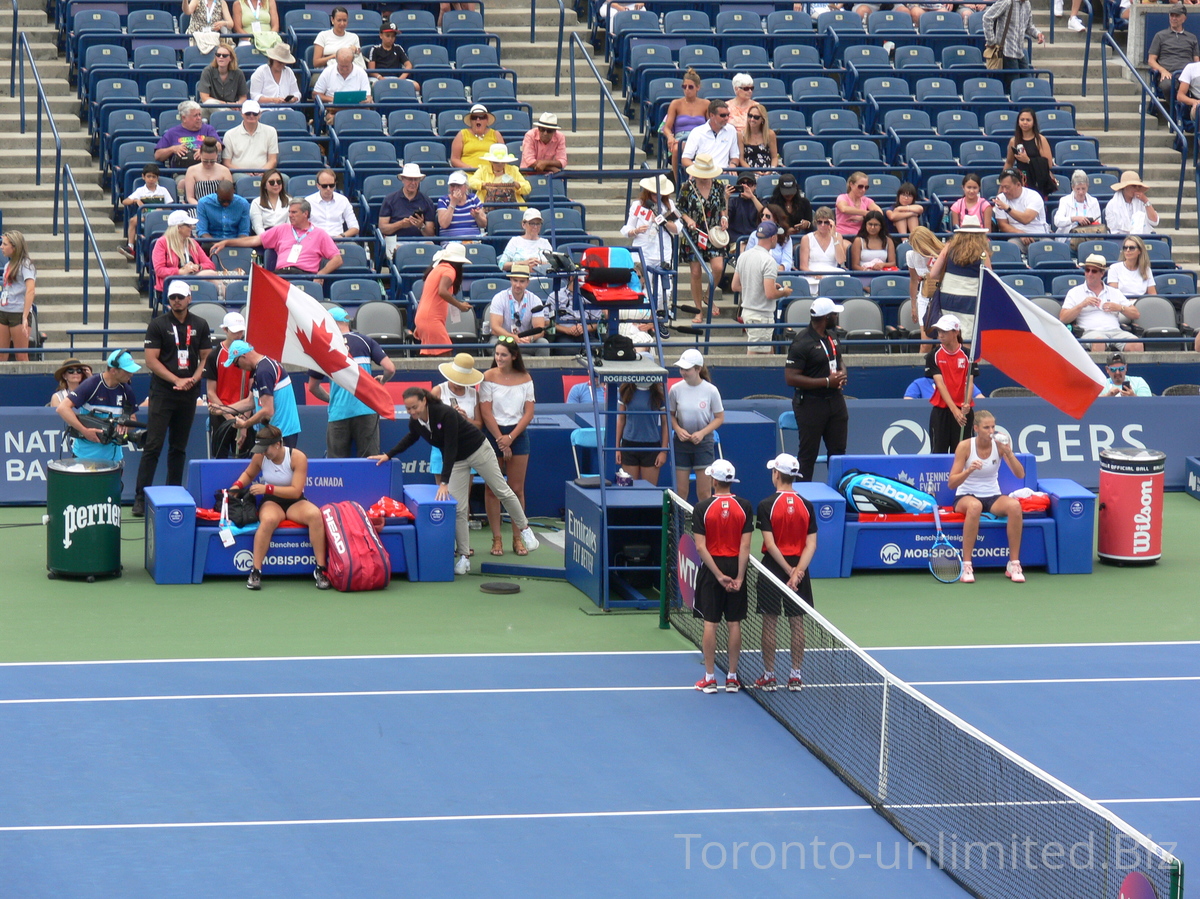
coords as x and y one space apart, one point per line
958 268
497 180
651 226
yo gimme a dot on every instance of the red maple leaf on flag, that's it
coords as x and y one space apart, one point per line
321 350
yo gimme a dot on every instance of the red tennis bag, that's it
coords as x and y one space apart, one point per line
355 557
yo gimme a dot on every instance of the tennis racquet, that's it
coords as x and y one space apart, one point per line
945 561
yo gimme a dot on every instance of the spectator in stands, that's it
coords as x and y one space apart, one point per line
783 251
256 24
407 212
853 206
971 203
331 211
388 55
696 412
529 247
444 8
1095 306
202 179
1029 153
906 214
222 81
702 207
790 198
1006 24
872 249
442 282
1120 383
755 278
951 416
757 144
1074 23
473 142
520 314
271 207
1131 273
568 326
588 390
1189 88
17 288
180 145
104 395
69 376
353 430
957 270
300 247
497 180
460 214
208 17
343 77
865 9
506 403
642 439
544 148
1130 210
924 252
652 225
177 253
1172 49
223 215
683 115
149 193
225 387
717 139
335 38
742 101
273 82
744 208
251 145
1078 212
1019 209
822 250
974 476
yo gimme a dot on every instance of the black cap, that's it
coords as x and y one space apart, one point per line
1116 359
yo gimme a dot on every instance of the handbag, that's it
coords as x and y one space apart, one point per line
993 54
932 312
618 348
238 507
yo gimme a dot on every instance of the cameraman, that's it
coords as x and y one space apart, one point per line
103 396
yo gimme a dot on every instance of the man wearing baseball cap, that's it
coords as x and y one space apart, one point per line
251 145
754 277
1119 382
952 416
103 395
817 373
721 527
387 54
271 397
789 529
224 387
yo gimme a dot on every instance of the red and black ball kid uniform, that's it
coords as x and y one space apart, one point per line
790 519
722 519
944 431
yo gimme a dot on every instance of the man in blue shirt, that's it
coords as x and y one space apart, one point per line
105 395
223 215
352 423
271 395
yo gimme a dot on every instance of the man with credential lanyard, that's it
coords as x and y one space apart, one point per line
817 372
103 395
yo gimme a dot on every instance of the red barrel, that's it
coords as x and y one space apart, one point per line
1131 501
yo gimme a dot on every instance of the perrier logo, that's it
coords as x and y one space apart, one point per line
77 518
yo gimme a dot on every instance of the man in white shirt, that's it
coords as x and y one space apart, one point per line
251 145
1130 210
1189 87
331 211
273 82
517 309
342 77
1019 209
754 278
718 139
1094 306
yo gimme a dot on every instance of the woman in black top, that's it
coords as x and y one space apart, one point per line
1029 153
463 448
789 197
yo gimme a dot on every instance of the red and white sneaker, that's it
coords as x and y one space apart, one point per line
968 573
1014 573
767 683
707 684
795 684
732 684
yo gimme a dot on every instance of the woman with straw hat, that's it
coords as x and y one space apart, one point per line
69 375
702 208
958 268
443 279
497 180
466 152
273 81
651 226
459 391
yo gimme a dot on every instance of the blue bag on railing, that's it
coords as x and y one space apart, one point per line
867 492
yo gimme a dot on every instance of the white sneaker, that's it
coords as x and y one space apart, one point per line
1058 8
1074 24
968 573
1014 573
463 565
530 541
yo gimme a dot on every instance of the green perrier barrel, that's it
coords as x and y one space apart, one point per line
83 503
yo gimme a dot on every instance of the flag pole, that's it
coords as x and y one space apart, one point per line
973 356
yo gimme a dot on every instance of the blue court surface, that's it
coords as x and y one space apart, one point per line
556 774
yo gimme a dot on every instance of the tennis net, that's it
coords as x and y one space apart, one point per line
996 823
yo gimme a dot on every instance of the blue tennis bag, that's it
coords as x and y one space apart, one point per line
867 492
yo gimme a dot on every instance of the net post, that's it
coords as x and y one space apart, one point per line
1177 879
664 611
882 790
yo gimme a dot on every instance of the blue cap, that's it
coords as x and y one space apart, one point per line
237 349
766 230
122 360
338 314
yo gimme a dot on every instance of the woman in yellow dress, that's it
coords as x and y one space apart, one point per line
497 180
473 141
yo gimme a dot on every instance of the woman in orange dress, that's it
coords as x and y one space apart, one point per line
442 282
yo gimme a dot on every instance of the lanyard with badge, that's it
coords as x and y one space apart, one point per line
832 359
255 24
182 356
294 253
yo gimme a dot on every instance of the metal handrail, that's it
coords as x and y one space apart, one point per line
12 59
562 20
605 95
90 237
1107 43
42 103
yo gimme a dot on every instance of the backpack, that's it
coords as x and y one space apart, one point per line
867 492
355 558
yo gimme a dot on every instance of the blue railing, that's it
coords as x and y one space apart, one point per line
577 46
89 237
562 19
42 104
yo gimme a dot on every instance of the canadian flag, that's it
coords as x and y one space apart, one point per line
288 325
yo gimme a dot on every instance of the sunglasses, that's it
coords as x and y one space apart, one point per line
275 181
821 222
746 88
224 56
177 296
722 115
1094 271
506 339
754 118
688 84
478 118
323 186
1116 368
255 114
1130 247
76 371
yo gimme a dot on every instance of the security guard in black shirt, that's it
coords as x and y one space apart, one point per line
177 344
816 370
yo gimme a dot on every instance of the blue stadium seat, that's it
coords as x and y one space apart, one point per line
1062 283
1028 285
962 55
1049 254
857 153
741 56
957 121
796 56
999 123
685 20
395 91
1081 152
457 21
427 153
980 153
476 56
814 87
410 123
739 21
914 55
429 56
788 21
803 153
976 89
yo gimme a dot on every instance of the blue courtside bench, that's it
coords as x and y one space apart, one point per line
1060 540
181 549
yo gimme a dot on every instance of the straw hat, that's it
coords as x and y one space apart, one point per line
451 252
548 121
282 53
61 371
1097 260
474 110
1129 179
661 185
704 167
462 370
970 225
498 153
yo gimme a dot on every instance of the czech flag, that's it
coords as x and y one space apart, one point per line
286 324
1034 348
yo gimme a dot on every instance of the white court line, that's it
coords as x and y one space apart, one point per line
1037 645
1051 680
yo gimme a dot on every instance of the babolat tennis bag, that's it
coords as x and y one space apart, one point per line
867 492
355 556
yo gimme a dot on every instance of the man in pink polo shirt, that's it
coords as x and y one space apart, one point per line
298 245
